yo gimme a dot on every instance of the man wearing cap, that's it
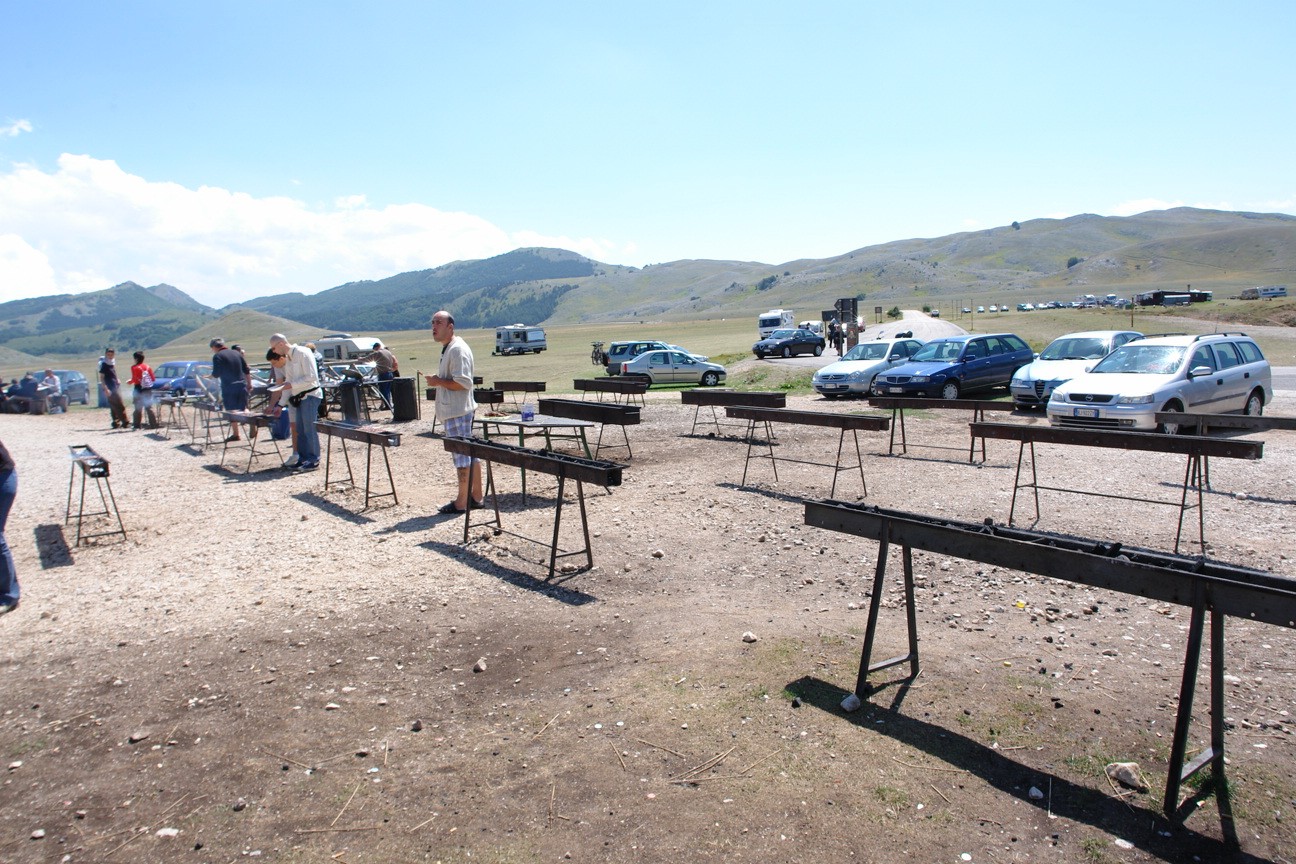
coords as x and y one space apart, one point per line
385 366
229 367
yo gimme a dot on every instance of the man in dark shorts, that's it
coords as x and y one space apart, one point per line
229 367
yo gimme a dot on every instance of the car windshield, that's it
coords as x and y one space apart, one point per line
1075 348
868 351
1142 359
938 351
782 334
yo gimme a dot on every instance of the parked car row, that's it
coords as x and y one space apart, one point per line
1105 379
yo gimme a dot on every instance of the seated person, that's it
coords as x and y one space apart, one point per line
25 397
50 391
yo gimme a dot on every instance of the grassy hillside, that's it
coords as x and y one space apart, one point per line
125 314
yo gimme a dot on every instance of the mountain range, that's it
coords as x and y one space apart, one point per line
1056 258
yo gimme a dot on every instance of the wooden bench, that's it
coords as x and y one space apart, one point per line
617 385
852 423
714 399
602 413
898 404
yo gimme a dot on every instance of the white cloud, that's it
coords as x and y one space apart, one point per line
90 225
15 128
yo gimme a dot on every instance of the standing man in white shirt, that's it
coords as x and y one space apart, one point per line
303 394
455 406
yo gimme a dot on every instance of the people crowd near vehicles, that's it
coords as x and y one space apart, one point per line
142 380
455 407
112 388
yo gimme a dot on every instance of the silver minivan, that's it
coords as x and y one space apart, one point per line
1213 373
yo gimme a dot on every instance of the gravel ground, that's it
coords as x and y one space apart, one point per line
266 667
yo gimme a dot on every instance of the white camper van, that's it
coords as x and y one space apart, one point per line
350 347
775 319
519 339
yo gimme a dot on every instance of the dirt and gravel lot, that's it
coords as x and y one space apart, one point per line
263 671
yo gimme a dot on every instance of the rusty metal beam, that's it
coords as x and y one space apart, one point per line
1250 422
594 412
612 384
759 398
376 435
1252 594
857 422
977 405
1155 442
546 462
1209 589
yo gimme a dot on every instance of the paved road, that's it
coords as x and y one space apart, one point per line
923 326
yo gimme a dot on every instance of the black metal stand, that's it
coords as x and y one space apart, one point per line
92 466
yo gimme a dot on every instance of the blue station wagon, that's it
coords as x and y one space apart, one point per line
947 368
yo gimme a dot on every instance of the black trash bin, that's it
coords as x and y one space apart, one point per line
350 400
404 399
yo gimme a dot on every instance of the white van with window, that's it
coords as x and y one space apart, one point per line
519 339
340 348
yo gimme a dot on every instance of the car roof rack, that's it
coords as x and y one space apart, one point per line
1201 336
1155 336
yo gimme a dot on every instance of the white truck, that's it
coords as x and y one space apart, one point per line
775 319
519 339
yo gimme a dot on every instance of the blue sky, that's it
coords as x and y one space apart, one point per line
236 149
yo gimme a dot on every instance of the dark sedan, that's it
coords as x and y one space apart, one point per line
785 343
948 368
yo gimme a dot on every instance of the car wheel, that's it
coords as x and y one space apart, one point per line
1170 428
818 349
178 393
1254 404
85 399
787 352
950 390
760 355
710 379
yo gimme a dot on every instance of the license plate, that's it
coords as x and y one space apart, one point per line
895 389
1086 412
834 386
